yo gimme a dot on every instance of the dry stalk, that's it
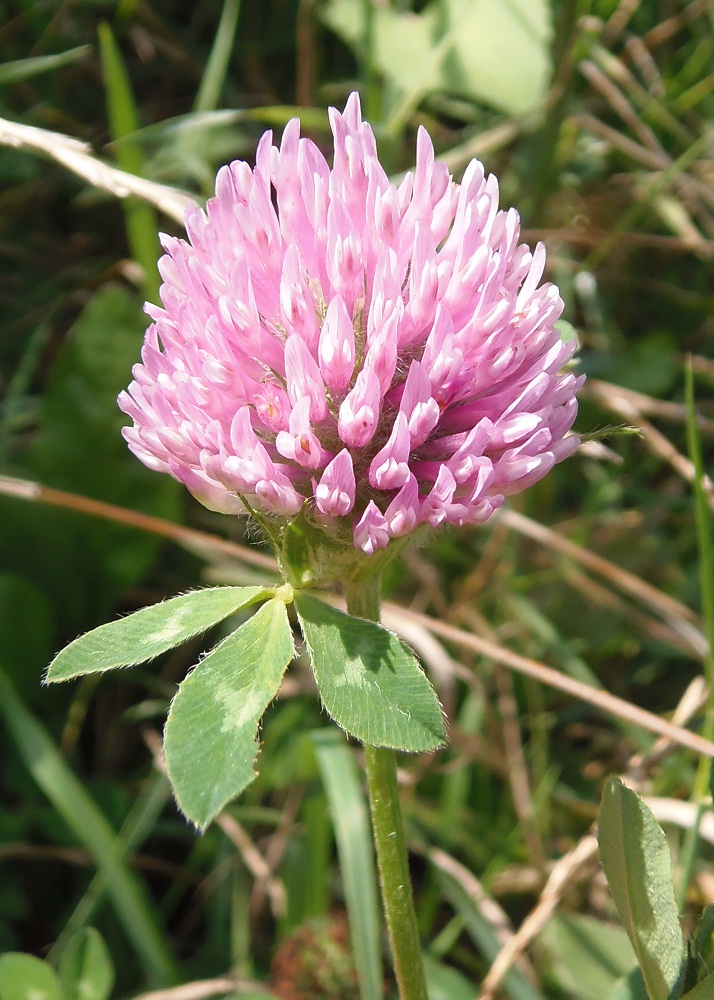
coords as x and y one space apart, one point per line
564 872
607 703
78 157
254 862
202 989
486 905
678 616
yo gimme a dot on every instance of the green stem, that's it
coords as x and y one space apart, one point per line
363 600
705 542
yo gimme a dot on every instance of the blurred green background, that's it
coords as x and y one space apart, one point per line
596 116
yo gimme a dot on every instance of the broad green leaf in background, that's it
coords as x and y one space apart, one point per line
702 945
144 634
445 983
80 564
702 991
211 732
24 977
89 825
86 968
588 956
350 818
630 987
369 681
482 36
637 864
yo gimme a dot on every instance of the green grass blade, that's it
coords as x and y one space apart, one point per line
140 218
24 69
154 794
209 93
350 818
515 985
70 799
705 536
703 519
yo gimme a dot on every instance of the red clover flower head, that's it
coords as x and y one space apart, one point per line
380 356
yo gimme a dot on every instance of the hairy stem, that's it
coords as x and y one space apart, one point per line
363 600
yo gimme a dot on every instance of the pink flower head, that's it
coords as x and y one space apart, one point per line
379 356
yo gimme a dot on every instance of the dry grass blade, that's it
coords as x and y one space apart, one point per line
665 30
597 594
78 157
646 405
603 700
620 104
199 542
255 862
679 617
690 704
625 406
201 989
564 872
487 906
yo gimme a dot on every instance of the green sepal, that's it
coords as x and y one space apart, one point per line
211 739
369 681
144 634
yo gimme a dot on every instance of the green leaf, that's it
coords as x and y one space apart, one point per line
136 828
86 967
144 634
477 38
369 681
445 983
588 956
630 987
211 732
702 991
214 77
702 947
78 446
76 807
24 976
350 818
636 860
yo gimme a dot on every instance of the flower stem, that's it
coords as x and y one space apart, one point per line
363 600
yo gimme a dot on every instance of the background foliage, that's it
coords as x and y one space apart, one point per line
597 118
